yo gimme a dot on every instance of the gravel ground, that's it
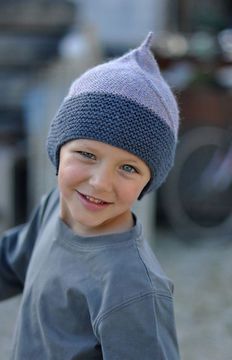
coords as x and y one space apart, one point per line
203 296
203 299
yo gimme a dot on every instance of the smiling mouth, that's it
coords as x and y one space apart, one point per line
94 200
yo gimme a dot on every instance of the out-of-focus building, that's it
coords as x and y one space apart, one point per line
45 44
30 32
121 24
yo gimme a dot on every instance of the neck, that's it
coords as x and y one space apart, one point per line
120 224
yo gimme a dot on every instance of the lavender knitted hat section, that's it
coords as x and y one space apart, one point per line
125 103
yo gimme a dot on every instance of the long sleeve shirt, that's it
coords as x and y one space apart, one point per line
100 297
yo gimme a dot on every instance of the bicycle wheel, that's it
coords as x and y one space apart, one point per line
195 211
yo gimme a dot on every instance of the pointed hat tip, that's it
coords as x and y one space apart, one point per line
147 43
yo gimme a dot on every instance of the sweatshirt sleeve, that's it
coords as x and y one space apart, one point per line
143 328
16 246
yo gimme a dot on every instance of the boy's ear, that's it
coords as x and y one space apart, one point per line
144 191
58 165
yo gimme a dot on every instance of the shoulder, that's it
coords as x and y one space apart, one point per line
158 279
49 203
137 268
131 272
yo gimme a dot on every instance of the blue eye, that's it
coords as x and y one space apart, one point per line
129 169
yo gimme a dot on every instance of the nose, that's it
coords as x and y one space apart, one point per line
102 179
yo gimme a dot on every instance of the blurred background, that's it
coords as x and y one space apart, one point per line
44 45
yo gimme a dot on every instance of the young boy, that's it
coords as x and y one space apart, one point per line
92 288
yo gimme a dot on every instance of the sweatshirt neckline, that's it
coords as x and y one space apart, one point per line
65 234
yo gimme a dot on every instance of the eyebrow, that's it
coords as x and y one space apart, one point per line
131 161
83 144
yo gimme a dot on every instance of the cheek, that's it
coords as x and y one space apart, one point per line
130 193
69 176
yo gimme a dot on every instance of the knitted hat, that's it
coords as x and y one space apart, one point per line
125 103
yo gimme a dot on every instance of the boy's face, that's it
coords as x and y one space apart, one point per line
98 185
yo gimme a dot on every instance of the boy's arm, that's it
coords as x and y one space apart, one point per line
143 328
16 246
10 278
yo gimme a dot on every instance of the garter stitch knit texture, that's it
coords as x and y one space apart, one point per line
125 103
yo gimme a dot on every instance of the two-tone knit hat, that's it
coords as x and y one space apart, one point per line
125 103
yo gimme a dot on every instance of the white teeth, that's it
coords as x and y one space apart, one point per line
96 201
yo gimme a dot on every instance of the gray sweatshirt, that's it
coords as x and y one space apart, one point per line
101 297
